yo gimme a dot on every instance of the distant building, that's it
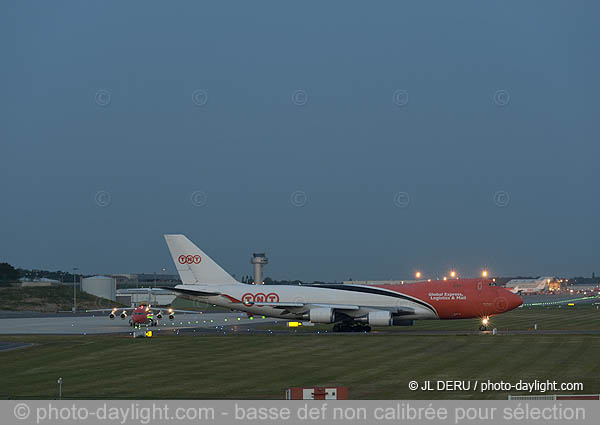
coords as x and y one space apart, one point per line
100 286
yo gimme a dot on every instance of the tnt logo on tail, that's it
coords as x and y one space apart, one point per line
189 259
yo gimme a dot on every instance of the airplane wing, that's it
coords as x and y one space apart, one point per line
101 310
172 310
128 309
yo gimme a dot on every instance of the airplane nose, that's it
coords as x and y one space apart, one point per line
506 300
514 301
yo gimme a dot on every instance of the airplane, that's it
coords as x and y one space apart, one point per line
349 307
143 314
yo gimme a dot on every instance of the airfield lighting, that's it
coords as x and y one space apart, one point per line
418 275
452 273
484 273
445 278
485 321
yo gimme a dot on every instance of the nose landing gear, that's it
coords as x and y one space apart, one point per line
484 324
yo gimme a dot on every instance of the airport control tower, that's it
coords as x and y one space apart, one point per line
259 260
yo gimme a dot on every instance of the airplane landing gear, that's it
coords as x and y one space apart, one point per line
351 327
484 324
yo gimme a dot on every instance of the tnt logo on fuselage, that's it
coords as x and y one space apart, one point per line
259 297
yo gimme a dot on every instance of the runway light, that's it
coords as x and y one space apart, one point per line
418 275
445 278
452 274
485 321
484 273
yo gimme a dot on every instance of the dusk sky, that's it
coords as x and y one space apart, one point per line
346 139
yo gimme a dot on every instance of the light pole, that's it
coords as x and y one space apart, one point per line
74 293
59 387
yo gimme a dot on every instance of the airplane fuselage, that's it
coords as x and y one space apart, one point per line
451 299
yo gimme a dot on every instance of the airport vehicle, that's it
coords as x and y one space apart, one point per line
348 307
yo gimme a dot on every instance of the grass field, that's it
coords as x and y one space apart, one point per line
262 366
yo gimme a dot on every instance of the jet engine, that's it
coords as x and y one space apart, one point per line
171 316
159 315
321 315
111 315
380 318
384 318
124 315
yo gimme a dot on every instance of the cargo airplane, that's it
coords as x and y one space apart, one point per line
348 307
143 314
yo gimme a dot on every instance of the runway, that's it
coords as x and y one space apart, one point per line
85 325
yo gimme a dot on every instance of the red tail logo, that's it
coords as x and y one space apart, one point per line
189 259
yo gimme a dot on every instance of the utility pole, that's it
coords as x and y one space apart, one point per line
59 388
74 292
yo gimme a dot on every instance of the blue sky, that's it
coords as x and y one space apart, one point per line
344 139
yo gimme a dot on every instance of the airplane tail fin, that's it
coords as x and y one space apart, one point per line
193 265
